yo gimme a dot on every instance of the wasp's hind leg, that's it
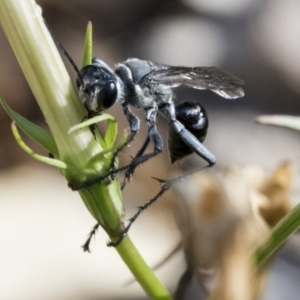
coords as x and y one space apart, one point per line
165 186
131 168
154 136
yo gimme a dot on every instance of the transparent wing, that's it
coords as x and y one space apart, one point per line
223 83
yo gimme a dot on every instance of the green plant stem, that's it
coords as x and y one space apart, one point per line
48 79
279 234
50 83
141 271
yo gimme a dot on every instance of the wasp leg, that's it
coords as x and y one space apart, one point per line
154 136
191 141
134 124
168 111
165 186
130 170
86 245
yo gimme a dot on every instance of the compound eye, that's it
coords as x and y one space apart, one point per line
107 96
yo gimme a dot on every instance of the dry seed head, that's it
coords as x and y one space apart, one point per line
223 222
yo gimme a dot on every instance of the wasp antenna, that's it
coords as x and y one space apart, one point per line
64 51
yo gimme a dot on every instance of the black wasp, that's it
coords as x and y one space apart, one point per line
149 86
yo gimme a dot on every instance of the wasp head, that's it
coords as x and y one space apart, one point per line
97 87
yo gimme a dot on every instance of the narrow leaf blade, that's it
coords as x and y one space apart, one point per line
280 120
36 133
47 160
88 45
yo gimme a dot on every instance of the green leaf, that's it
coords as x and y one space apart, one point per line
111 150
111 131
47 160
38 134
91 121
88 46
279 234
